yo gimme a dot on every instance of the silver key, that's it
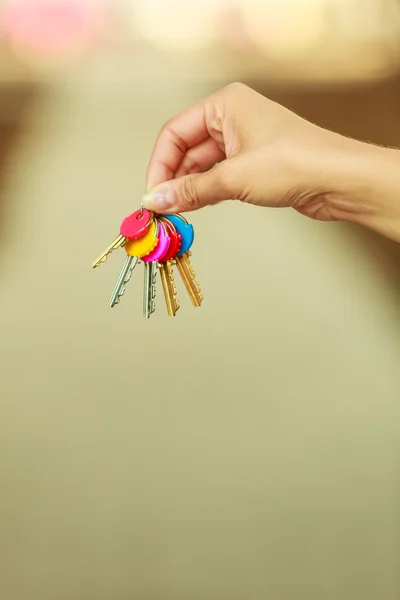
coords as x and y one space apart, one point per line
149 291
125 275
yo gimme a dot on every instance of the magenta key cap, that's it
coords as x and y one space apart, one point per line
136 225
162 247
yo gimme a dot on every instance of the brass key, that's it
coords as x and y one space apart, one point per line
167 278
134 227
117 243
181 259
189 278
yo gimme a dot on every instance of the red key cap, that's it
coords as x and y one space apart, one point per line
136 225
176 241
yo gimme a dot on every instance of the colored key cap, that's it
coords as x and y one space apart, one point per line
136 225
176 240
145 244
186 231
164 242
160 243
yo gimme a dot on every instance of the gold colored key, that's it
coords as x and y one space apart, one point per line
117 243
133 227
167 278
189 278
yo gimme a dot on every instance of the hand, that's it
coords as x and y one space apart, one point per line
237 144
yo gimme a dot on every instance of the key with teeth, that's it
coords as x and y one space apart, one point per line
133 227
168 283
149 293
134 250
150 269
183 258
117 243
159 242
189 278
166 270
124 276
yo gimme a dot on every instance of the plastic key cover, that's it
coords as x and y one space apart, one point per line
143 245
186 231
176 241
136 225
164 242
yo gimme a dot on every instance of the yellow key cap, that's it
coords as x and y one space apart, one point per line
145 244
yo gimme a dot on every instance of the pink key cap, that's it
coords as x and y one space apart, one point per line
136 225
162 247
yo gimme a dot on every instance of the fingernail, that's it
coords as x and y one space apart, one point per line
158 200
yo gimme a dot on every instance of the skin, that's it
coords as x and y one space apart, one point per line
237 144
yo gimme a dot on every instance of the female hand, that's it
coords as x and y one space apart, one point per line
237 144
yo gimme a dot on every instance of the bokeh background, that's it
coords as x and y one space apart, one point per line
247 450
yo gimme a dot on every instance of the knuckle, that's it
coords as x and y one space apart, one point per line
189 165
236 87
188 195
223 181
177 141
166 127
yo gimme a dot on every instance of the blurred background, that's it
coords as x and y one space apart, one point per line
244 451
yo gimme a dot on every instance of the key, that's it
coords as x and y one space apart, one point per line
189 278
150 268
169 288
132 228
166 270
117 243
140 248
149 292
182 259
124 276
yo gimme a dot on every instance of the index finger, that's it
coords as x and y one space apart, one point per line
184 131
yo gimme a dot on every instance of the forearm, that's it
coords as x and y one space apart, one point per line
368 187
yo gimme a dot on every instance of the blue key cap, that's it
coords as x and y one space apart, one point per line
186 231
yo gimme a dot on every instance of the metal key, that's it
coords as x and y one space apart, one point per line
189 278
124 276
132 227
153 257
167 279
182 258
149 292
166 270
160 253
117 243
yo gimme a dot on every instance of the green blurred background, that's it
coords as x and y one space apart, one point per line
247 450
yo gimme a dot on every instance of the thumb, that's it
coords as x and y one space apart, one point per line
191 192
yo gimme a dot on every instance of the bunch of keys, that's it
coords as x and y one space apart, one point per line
160 242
